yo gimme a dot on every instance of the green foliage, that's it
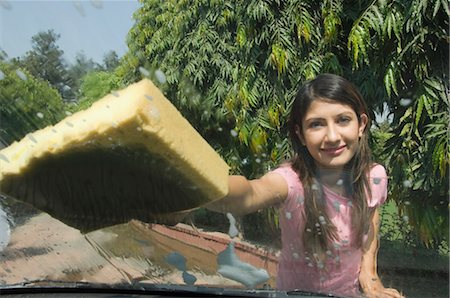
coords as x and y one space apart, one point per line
26 103
95 85
235 66
45 61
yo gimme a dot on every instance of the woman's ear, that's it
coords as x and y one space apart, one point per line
363 120
299 134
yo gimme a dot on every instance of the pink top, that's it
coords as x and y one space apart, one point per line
339 274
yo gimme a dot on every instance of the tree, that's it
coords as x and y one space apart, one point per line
235 66
110 61
26 103
45 61
79 69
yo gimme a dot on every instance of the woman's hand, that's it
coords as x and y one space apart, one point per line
373 288
368 277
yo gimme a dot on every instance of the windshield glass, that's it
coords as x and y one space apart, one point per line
264 147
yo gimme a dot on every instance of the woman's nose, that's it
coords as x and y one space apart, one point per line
332 133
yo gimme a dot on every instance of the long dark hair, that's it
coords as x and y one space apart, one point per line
319 230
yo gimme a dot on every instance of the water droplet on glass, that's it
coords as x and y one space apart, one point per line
3 157
404 102
97 4
149 97
139 128
154 113
188 278
21 75
406 218
160 76
314 187
232 230
144 71
308 230
407 203
407 183
233 133
288 215
115 93
310 265
322 219
376 180
32 138
2 75
328 252
317 224
339 182
234 158
220 129
68 113
69 124
337 206
40 115
258 160
295 255
79 7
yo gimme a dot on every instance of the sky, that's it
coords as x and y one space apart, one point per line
93 27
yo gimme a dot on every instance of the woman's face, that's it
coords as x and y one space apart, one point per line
331 131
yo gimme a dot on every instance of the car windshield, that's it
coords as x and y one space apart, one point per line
225 147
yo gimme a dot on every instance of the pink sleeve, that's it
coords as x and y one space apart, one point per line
378 181
295 187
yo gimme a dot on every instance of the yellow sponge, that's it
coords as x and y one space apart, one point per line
131 155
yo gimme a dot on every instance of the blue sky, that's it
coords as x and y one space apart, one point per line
92 26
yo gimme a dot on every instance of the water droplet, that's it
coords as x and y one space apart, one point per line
233 133
314 187
337 206
40 115
376 180
143 71
54 130
234 158
115 93
69 124
115 124
2 75
5 4
79 7
139 128
288 215
258 160
322 219
149 97
310 265
317 224
220 129
407 203
3 157
337 259
188 278
320 265
32 138
245 161
295 255
407 183
308 230
160 76
350 204
406 218
68 113
339 182
97 4
404 102
154 113
21 75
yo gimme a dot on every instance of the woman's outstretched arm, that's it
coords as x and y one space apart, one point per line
368 277
247 196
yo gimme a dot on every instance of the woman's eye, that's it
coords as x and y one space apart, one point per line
315 124
344 120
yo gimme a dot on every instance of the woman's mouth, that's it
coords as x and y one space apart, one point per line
335 151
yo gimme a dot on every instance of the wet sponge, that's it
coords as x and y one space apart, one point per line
131 155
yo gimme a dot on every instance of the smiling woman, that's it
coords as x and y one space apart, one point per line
91 167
